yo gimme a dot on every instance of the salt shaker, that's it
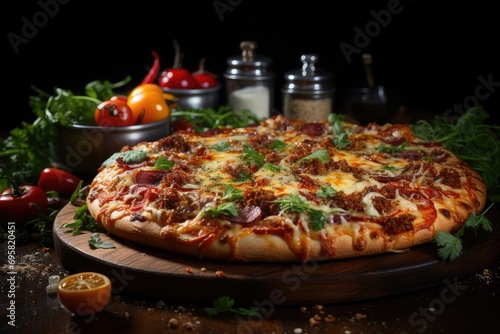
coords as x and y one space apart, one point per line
249 81
308 93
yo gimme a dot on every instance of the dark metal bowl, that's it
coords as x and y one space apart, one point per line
82 148
200 98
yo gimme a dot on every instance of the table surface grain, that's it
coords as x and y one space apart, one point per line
458 305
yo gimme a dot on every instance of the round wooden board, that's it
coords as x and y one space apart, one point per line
154 273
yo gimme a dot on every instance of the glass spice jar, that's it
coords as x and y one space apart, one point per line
249 81
308 93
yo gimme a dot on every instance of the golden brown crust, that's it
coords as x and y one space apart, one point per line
276 238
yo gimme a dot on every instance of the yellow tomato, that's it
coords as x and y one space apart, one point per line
148 103
84 293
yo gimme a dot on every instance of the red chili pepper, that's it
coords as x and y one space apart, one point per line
153 71
19 204
58 180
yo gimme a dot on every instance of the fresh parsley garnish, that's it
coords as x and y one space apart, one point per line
131 156
252 157
231 193
272 167
209 118
392 150
277 145
225 209
450 244
293 203
336 120
163 163
319 154
391 168
243 177
96 242
472 140
83 221
221 146
342 140
326 191
225 304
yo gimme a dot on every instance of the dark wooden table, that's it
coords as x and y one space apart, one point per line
459 304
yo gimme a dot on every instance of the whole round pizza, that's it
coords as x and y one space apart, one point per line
285 190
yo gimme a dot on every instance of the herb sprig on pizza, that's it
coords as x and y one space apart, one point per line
286 190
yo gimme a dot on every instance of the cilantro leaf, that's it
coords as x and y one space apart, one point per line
130 156
96 242
225 209
337 121
252 157
392 150
232 193
83 221
318 219
450 245
163 163
272 167
243 177
342 140
293 203
277 145
326 191
225 304
319 154
221 146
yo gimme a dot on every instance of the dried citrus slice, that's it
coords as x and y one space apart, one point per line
84 293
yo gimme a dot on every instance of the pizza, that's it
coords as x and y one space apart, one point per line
285 191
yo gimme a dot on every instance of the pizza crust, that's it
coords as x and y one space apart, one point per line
267 248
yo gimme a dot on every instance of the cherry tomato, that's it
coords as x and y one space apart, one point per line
114 112
18 204
119 97
55 179
148 103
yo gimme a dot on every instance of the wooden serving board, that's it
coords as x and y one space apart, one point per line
154 273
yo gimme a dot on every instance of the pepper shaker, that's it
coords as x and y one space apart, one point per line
249 81
308 93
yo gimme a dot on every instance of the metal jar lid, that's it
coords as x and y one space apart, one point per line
308 79
248 65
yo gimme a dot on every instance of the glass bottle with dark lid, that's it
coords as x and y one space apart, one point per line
308 93
249 81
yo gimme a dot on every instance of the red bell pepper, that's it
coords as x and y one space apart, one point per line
21 204
153 71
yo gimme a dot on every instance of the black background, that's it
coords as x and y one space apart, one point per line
434 55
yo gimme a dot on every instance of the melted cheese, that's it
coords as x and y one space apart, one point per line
364 164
